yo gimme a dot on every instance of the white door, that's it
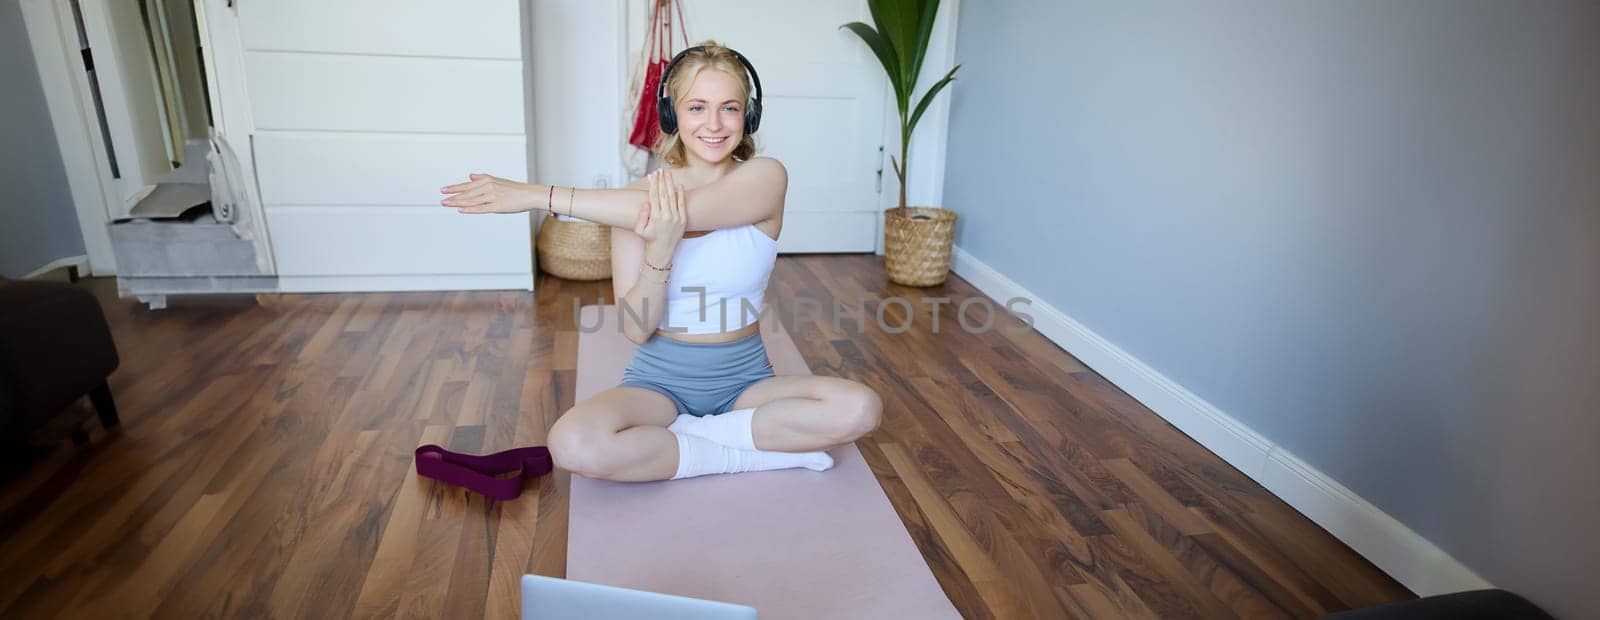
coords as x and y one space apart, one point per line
822 109
136 121
361 110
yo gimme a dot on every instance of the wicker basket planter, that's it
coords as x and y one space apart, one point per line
917 245
575 250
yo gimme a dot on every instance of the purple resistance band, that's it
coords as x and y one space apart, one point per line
483 473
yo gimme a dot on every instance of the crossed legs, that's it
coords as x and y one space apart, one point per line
620 433
799 413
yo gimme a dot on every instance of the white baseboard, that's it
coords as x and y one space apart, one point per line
80 261
1386 542
354 284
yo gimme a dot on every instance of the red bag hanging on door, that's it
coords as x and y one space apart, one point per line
646 124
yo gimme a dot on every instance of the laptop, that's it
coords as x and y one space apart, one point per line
548 598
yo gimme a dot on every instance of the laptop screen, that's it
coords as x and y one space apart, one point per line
549 598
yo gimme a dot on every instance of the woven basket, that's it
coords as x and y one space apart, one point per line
574 250
916 248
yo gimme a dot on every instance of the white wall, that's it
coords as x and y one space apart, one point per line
578 98
39 224
1366 230
576 92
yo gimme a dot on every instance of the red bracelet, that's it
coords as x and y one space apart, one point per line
549 200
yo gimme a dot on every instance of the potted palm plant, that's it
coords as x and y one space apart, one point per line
917 240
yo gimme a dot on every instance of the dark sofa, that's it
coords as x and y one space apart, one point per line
55 347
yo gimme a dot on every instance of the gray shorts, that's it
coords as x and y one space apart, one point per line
700 378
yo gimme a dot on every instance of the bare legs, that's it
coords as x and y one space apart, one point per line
800 413
620 434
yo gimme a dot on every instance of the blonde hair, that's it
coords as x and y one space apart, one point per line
669 147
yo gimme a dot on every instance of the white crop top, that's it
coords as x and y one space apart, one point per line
734 265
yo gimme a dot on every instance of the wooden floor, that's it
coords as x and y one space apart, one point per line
264 466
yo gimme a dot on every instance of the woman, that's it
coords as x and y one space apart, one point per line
699 396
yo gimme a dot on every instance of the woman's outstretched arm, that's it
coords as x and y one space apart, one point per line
751 193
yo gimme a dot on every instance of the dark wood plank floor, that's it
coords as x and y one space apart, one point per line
264 466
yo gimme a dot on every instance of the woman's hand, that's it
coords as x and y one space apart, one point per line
661 221
489 194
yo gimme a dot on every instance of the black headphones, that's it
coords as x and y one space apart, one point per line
669 115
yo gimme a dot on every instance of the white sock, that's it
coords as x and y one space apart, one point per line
698 457
731 429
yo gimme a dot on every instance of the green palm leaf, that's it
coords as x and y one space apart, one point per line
928 98
925 18
896 21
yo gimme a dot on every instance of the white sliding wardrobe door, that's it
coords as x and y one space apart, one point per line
362 110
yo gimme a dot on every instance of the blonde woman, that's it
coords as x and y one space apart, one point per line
699 396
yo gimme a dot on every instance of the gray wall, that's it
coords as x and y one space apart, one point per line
1370 230
37 221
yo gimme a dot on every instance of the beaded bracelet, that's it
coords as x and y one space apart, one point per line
666 276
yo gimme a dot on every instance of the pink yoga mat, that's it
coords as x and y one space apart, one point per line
792 543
